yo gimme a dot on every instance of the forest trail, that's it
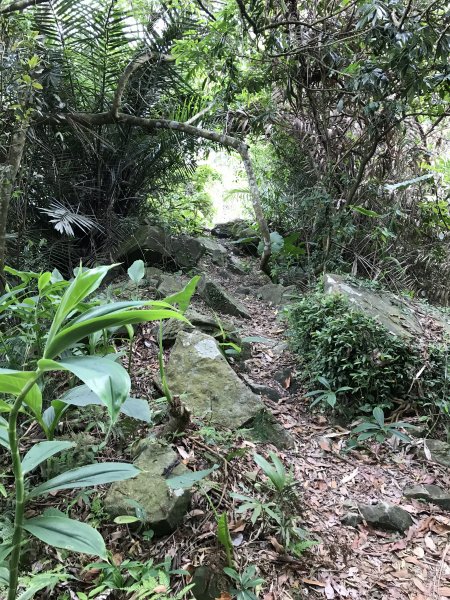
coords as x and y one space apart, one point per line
359 562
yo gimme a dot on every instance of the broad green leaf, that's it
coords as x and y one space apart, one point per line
62 532
52 415
43 580
407 183
90 475
40 452
183 297
187 480
4 438
13 382
113 307
378 415
270 471
106 378
137 271
132 407
365 427
4 576
44 280
25 276
365 211
4 407
84 284
69 336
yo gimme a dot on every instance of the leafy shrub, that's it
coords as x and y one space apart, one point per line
351 350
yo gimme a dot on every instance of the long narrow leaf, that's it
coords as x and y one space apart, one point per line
40 452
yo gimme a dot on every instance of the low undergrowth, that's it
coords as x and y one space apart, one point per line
357 357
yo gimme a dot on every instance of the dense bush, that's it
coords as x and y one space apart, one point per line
350 349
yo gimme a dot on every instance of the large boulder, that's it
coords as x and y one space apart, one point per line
438 451
155 245
211 389
219 299
395 313
161 508
169 284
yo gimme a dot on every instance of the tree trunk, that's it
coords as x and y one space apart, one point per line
8 174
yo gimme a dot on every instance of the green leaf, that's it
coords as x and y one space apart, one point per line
44 280
84 284
365 427
187 480
81 395
407 183
223 533
4 438
378 415
4 576
125 519
278 480
183 297
41 452
106 378
62 532
90 475
137 271
365 211
13 382
72 334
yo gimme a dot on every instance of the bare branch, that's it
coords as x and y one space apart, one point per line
20 5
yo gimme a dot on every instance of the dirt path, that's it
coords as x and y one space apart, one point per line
349 562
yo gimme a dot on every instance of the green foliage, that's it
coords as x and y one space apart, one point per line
379 430
349 350
136 579
246 582
71 318
327 395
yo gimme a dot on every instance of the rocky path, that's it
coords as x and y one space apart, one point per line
401 556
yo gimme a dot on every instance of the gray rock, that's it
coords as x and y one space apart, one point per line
209 325
157 246
266 429
381 515
395 313
230 230
208 583
439 451
218 253
431 493
168 285
235 265
219 299
163 508
212 391
264 390
276 294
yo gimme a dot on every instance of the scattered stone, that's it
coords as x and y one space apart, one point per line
218 253
431 493
266 429
209 584
244 291
287 379
235 265
381 515
209 325
395 313
169 284
439 451
163 509
219 299
210 388
276 294
230 230
263 390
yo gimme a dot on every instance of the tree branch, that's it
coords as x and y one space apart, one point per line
20 5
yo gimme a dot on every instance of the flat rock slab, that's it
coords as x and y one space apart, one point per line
219 299
163 509
212 391
439 451
381 515
431 493
276 294
207 324
395 313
